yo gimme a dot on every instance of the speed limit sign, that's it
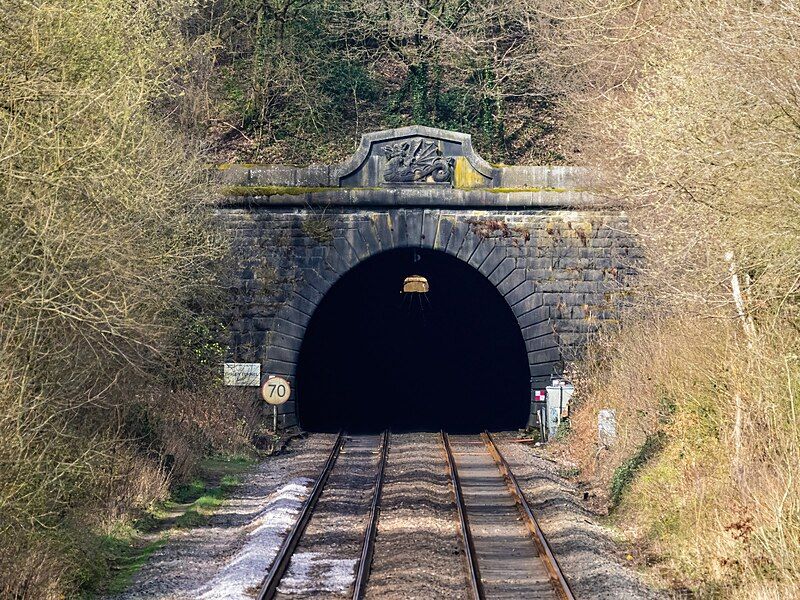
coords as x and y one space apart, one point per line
276 390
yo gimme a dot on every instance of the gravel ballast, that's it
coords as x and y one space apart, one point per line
418 552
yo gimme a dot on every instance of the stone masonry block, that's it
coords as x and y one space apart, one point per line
430 223
303 305
286 355
278 367
493 260
527 304
383 228
457 235
468 247
543 328
545 355
443 232
289 328
356 242
284 341
533 317
369 236
503 270
400 229
541 343
414 228
291 314
518 294
481 252
512 282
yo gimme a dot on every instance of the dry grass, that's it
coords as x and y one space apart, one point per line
692 110
722 511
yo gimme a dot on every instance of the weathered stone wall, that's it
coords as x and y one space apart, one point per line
563 271
560 255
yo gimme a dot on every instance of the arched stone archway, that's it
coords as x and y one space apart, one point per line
365 240
560 256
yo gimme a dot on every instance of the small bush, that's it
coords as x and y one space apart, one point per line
624 474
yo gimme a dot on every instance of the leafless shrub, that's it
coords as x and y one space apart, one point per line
691 112
107 262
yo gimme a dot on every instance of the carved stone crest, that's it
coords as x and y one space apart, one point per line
417 161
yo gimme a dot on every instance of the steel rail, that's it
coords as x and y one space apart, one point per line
557 578
367 549
270 583
473 571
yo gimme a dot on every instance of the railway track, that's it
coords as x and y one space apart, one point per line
506 555
270 586
505 559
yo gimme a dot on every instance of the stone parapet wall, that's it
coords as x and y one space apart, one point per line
560 178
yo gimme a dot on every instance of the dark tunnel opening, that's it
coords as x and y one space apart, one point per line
374 358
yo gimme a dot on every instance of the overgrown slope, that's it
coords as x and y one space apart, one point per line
692 111
107 281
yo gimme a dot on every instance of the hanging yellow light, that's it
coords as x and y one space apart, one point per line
415 284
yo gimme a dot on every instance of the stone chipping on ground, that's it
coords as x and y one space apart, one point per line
418 554
230 555
417 549
585 550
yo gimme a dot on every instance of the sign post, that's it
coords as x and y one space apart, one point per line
275 391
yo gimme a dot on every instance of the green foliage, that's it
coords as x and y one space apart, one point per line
347 82
625 473
203 499
318 228
189 492
563 430
200 351
111 561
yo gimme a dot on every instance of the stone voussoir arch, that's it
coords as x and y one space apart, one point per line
559 254
494 261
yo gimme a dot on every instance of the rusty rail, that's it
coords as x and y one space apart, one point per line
473 572
365 562
270 583
557 578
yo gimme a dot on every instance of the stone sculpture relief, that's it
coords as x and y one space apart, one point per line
415 161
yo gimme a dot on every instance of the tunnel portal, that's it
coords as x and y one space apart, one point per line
374 358
525 262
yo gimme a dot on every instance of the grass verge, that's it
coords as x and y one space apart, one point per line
118 555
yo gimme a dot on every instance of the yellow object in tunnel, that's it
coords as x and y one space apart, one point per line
415 284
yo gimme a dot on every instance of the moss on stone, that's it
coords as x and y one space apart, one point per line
272 190
529 189
226 166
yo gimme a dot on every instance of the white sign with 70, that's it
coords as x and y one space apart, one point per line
276 390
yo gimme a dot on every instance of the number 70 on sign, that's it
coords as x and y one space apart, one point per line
275 390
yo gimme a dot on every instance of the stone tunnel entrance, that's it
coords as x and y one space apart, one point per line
374 358
524 263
